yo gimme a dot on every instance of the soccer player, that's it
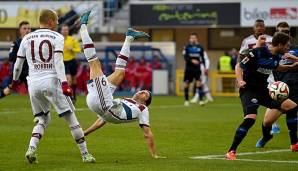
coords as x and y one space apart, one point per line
248 43
71 48
271 115
257 64
24 29
204 81
4 92
100 89
193 54
47 83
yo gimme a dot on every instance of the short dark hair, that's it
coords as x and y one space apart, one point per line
282 24
193 34
280 38
148 101
23 23
259 21
64 25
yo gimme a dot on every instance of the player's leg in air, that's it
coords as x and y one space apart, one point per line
95 66
105 86
271 116
275 127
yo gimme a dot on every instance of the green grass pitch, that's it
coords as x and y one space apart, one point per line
180 133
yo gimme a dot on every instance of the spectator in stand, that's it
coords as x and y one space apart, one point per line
143 72
4 73
225 63
130 74
82 77
225 66
156 64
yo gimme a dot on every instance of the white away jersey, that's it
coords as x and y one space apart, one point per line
38 48
251 40
127 110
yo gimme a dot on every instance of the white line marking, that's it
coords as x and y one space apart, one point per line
221 157
241 154
255 160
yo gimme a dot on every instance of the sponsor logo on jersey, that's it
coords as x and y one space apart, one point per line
264 70
254 100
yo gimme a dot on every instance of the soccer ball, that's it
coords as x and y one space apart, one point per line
279 91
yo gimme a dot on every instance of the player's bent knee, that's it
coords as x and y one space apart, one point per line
42 121
71 119
271 116
268 122
288 105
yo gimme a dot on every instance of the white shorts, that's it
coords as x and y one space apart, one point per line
100 95
45 92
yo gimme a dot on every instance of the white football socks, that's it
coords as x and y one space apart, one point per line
37 133
76 132
89 49
125 50
122 59
42 123
78 135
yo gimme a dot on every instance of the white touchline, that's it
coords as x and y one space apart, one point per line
221 157
242 154
253 160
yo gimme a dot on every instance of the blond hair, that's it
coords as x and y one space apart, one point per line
46 15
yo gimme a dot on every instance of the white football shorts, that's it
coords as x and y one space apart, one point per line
45 92
100 95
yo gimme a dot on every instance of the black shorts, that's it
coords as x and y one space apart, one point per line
191 74
71 67
252 98
293 95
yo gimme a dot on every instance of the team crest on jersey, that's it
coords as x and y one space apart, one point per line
254 100
251 54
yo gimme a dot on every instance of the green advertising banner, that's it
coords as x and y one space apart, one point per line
204 14
13 12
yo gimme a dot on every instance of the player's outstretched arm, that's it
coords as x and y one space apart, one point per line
291 57
285 68
148 135
97 124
